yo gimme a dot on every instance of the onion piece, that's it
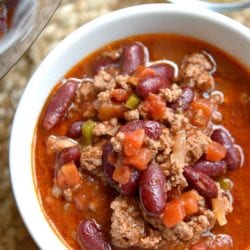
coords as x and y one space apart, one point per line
56 191
221 206
55 144
179 149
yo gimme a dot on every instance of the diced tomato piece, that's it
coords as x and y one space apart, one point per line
133 141
156 106
143 72
140 160
68 175
122 174
215 151
173 213
205 107
190 201
109 110
120 95
176 210
203 104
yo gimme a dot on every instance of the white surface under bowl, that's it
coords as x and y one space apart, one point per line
218 30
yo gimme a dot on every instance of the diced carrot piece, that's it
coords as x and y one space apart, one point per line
156 106
190 206
133 141
109 110
140 160
122 174
68 175
215 151
173 213
205 107
199 246
120 95
192 194
190 201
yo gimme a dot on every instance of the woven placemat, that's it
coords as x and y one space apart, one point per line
69 16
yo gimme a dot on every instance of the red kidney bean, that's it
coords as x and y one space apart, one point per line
70 154
152 129
151 188
133 55
108 167
212 169
232 157
131 187
184 100
75 130
59 105
151 84
166 71
67 155
103 62
222 137
91 237
201 182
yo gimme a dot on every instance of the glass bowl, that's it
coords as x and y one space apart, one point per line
29 19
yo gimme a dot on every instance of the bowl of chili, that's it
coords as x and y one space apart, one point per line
40 211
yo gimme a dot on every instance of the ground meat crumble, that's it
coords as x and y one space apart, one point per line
128 227
91 159
195 70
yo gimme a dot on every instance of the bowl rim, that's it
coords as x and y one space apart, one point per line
45 240
216 6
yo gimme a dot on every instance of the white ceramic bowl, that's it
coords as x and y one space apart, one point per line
213 28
